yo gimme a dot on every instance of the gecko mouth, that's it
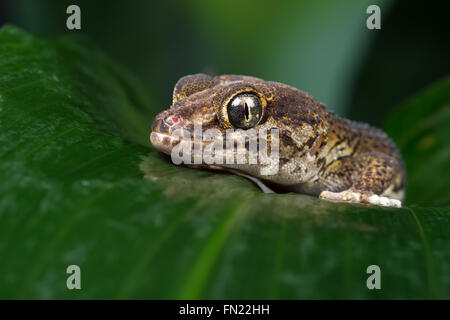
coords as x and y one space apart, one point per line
164 142
170 130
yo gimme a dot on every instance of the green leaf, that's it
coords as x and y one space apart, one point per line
80 184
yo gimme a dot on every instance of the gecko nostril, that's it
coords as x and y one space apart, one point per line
171 120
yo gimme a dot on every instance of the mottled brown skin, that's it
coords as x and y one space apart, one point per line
319 152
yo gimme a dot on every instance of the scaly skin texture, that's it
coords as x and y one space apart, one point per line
320 153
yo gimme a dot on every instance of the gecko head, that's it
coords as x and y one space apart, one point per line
234 108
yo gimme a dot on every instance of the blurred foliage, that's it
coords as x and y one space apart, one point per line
421 128
316 46
322 47
411 52
79 186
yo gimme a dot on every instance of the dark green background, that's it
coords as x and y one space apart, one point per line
322 47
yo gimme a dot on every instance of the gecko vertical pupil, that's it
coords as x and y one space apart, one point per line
244 111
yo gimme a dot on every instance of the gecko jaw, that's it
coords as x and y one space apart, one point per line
163 142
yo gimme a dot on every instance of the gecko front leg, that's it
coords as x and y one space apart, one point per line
373 178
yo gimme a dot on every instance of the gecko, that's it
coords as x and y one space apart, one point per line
319 153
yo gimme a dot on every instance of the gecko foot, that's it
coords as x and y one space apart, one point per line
356 197
383 201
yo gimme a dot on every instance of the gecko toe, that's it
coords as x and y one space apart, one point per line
356 197
384 201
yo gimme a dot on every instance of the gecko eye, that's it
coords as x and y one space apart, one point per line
244 111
